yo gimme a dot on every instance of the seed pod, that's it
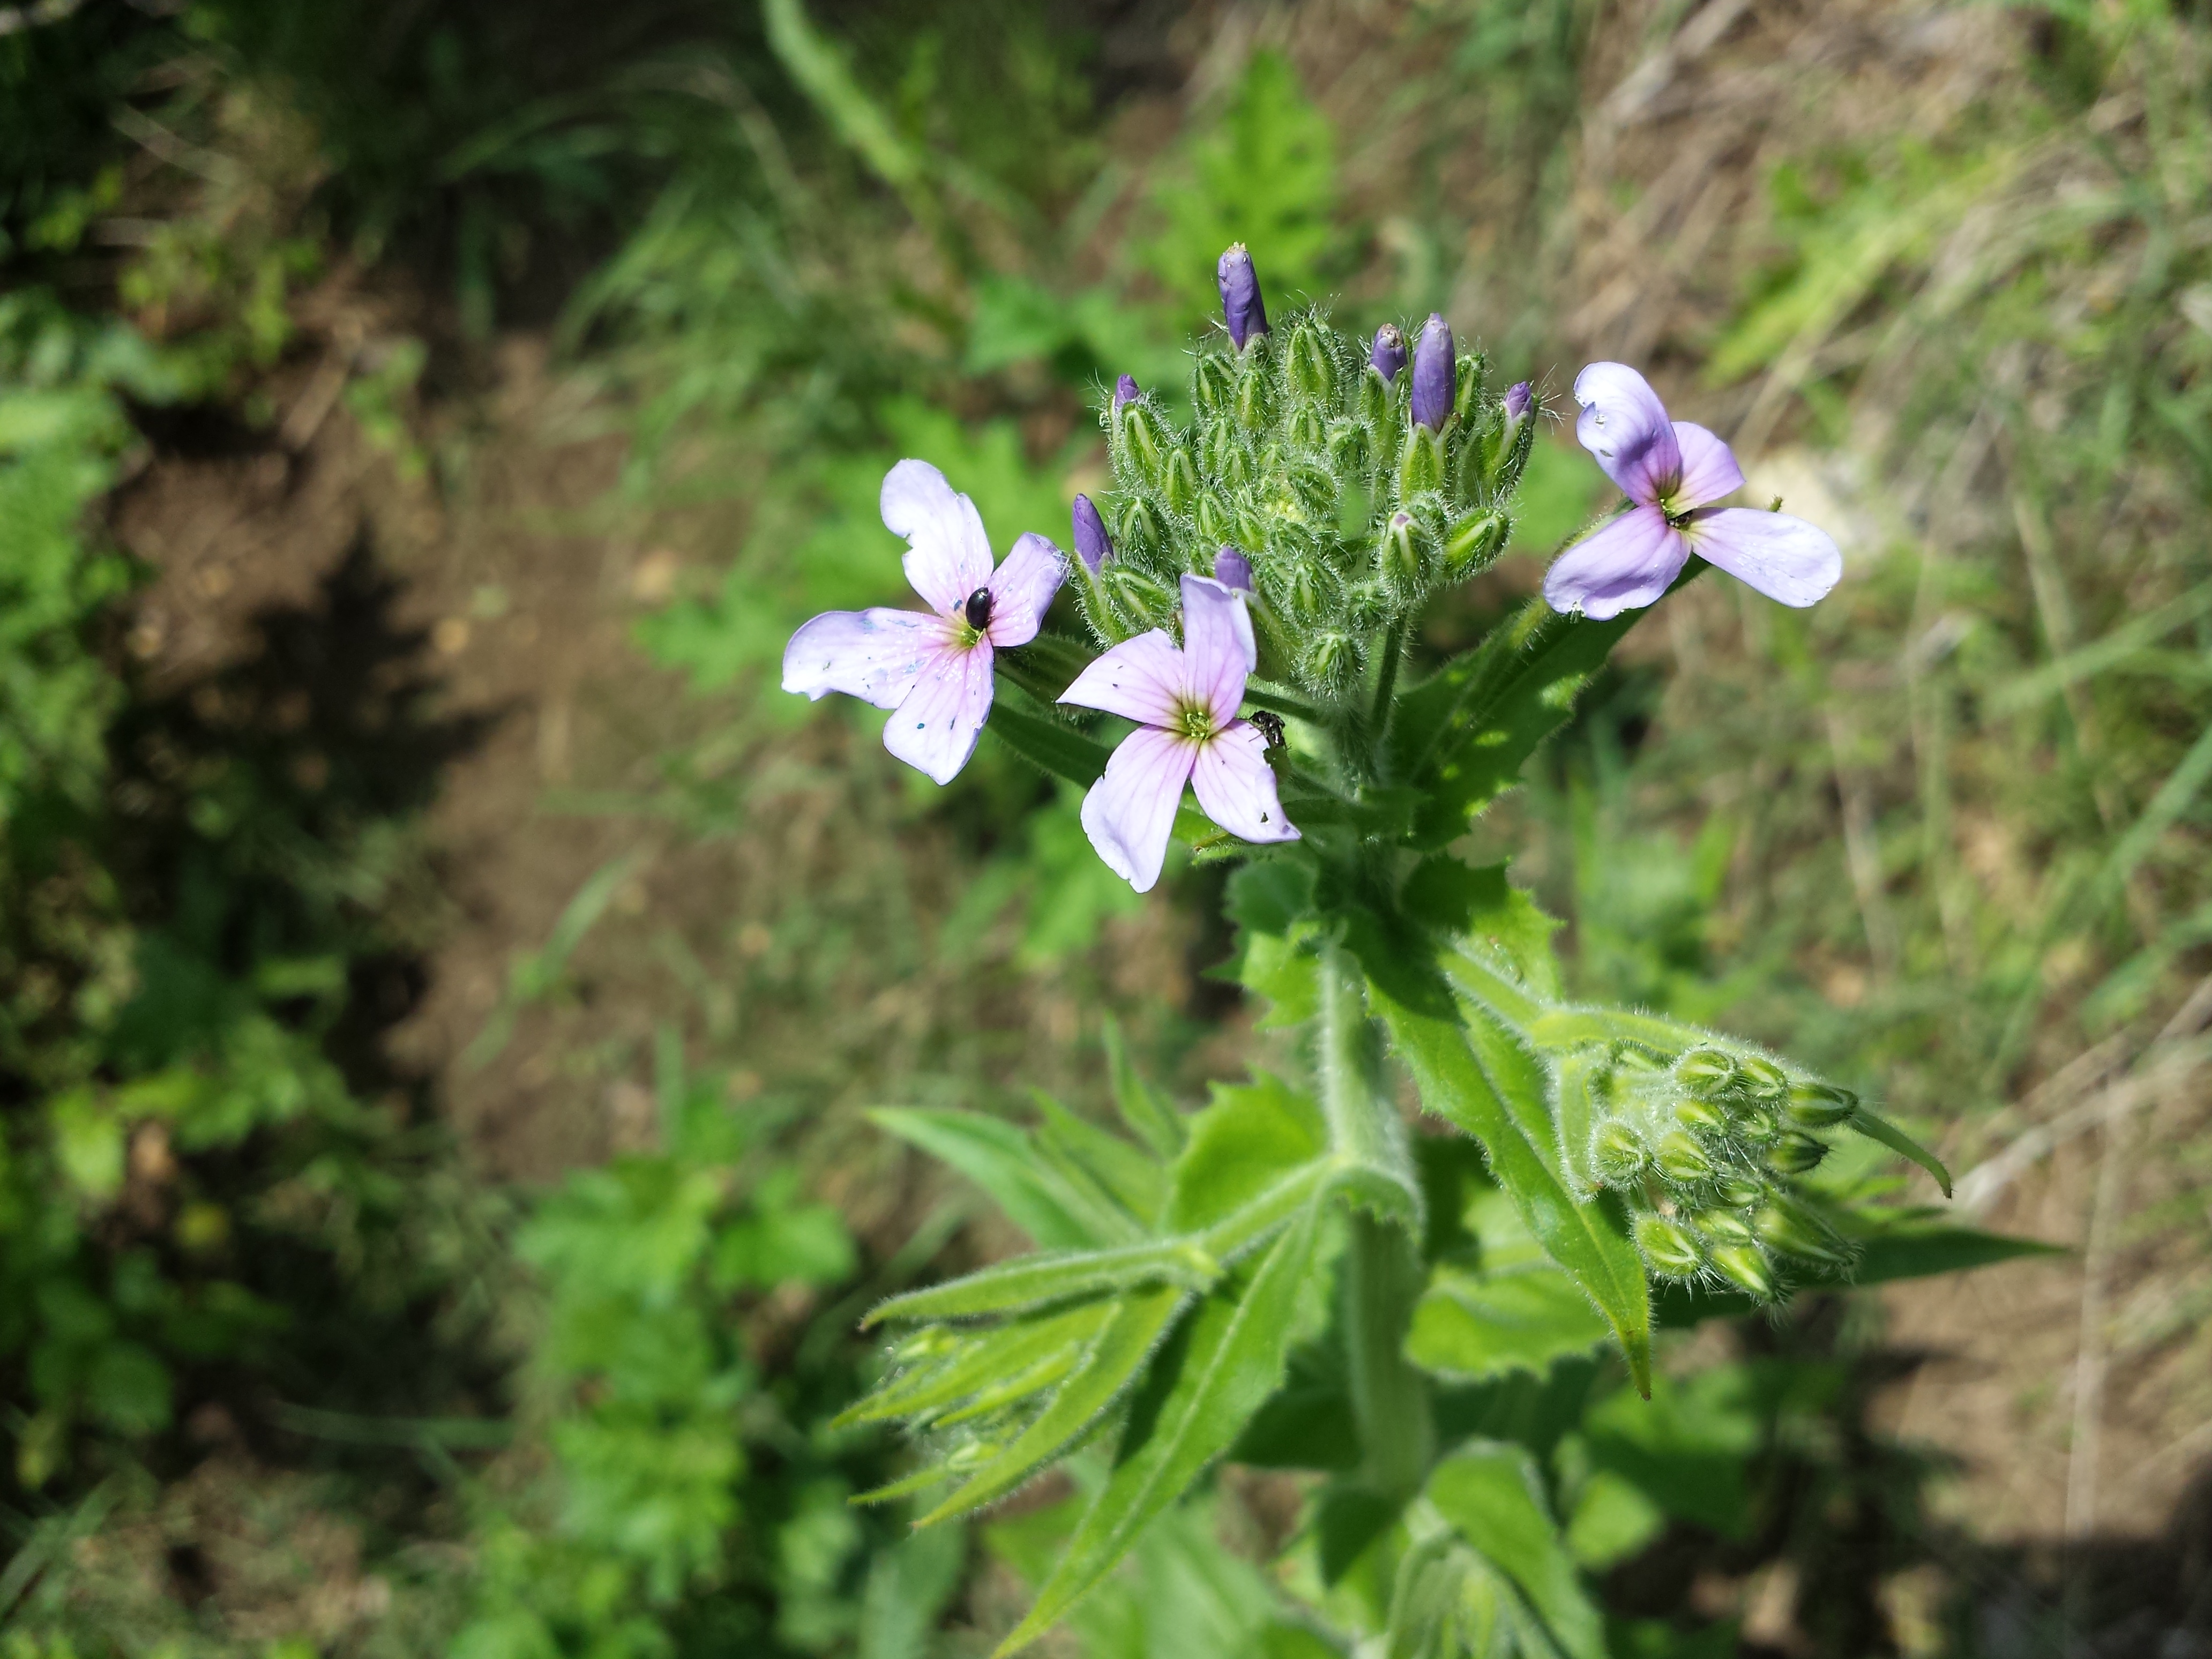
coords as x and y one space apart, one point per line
1743 1266
1723 1226
1795 1154
1618 1153
1313 371
1794 1230
1420 464
1820 1105
1213 384
1474 539
1739 1192
1701 1117
1762 1078
1707 1073
1670 1247
1179 480
1681 1159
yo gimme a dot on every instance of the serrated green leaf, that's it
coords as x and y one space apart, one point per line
999 1157
1492 1495
1075 1410
1881 1128
1488 914
1012 1347
1032 1281
1241 1145
1587 1240
1467 1327
1224 1359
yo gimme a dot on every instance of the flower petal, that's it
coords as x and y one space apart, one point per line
1022 589
1217 648
934 730
948 556
1709 468
1236 787
874 655
1139 679
1625 563
1783 558
1129 812
1625 425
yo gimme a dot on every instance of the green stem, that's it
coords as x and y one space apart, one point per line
1386 684
1282 705
1382 1276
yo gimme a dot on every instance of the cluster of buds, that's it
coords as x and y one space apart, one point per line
1706 1152
1340 483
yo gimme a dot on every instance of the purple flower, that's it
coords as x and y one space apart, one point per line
1434 365
1185 703
933 670
1092 544
1517 397
1670 471
1388 355
1232 569
1127 391
1242 308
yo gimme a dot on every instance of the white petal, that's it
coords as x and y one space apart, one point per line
1783 558
934 730
1139 679
1236 787
1217 648
948 555
1130 812
1709 468
1625 425
1624 564
874 655
1022 589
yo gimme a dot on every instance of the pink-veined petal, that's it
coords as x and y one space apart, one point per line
1218 649
948 555
1625 425
1139 679
934 730
1022 589
1236 787
1131 810
1783 558
874 655
1709 468
1625 563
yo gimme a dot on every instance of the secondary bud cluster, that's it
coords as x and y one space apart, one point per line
1352 478
1705 1151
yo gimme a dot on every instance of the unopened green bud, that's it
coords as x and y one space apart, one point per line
1739 1192
1743 1266
1374 395
1398 559
1138 443
1256 390
1332 661
1217 522
1762 1078
1723 1226
1795 1154
1474 539
1472 371
1700 1116
1680 1158
1179 480
1140 598
1619 1153
1213 384
1346 445
1794 1230
1706 1073
1421 463
1313 371
1669 1247
1307 426
1635 1057
1820 1105
1758 1125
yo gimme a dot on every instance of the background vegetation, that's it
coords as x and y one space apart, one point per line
344 1310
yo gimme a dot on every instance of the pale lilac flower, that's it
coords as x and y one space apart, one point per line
1517 397
1670 469
1389 355
1185 702
1232 569
934 670
1093 544
1127 391
1435 374
1242 308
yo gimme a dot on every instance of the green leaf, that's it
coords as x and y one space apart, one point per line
1881 1129
1006 1350
1051 747
1587 1240
1143 1107
1687 1447
1031 1281
1479 907
1491 1494
1467 1327
1225 1359
1241 1145
1121 1173
999 1157
1076 1409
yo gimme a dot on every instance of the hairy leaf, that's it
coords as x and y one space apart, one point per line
1031 1281
1881 1129
1491 1493
977 1359
999 1157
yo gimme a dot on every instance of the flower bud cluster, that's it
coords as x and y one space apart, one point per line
1705 1151
1305 460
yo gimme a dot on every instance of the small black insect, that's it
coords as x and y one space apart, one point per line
978 609
1271 727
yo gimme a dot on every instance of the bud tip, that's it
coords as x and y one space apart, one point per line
1243 310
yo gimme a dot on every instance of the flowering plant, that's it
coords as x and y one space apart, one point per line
1290 1276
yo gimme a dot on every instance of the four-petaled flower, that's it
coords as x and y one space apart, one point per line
1185 703
933 670
1670 471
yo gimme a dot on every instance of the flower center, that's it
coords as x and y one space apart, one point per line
1194 720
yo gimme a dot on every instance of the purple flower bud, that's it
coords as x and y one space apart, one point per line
1125 391
1433 370
1091 541
1389 354
1241 305
1516 400
1232 569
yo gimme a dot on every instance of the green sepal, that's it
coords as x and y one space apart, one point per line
1875 1127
